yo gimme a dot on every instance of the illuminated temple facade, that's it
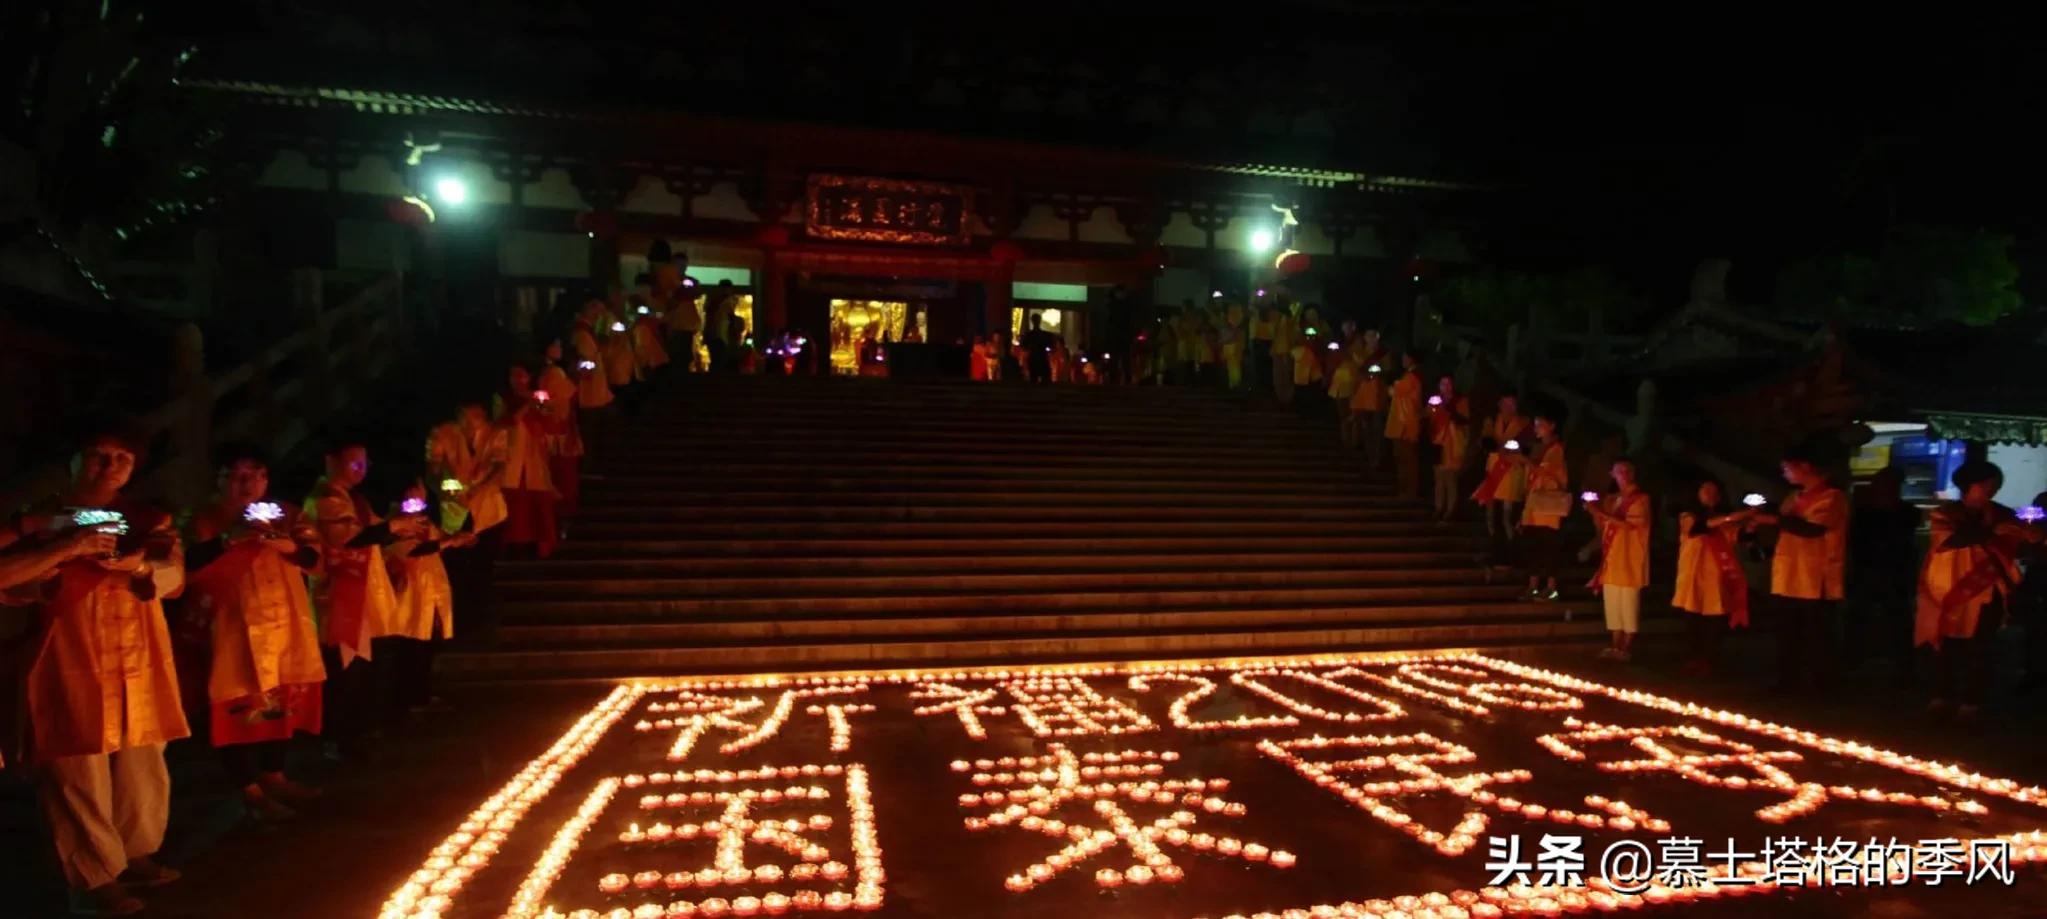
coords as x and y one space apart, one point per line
926 229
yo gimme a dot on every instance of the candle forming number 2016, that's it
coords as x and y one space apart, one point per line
1182 789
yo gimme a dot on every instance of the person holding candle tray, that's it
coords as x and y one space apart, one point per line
424 614
352 594
1368 402
530 497
1450 432
1404 426
1506 479
102 689
1623 522
247 579
1542 517
1807 570
1970 573
1710 582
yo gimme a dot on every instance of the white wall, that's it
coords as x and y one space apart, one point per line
2025 472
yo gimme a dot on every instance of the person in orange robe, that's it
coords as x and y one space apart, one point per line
1807 571
1404 426
564 430
1368 402
530 526
1710 582
424 615
246 578
352 596
465 460
102 688
1450 432
1506 481
1343 384
1541 540
1966 585
1623 522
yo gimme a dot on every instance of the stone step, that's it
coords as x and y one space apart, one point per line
686 634
823 464
688 529
607 515
655 499
522 606
1031 647
732 479
882 445
584 551
806 588
914 565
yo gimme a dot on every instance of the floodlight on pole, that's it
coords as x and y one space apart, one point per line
1262 240
451 190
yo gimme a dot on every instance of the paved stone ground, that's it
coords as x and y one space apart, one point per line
348 851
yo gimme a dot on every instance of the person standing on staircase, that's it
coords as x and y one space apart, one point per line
1623 522
593 385
246 577
1450 432
530 524
1368 402
1343 385
1499 494
1037 346
564 430
1404 426
1285 331
1540 541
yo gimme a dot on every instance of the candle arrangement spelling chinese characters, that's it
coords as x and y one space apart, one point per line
1116 789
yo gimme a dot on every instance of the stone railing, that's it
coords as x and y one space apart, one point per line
275 400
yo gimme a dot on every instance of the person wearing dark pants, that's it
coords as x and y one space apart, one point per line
1970 574
1807 571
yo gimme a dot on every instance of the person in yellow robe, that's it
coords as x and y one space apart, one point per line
1343 384
1540 541
424 615
1710 582
1966 585
1286 331
1404 426
531 527
1806 573
615 341
1499 494
649 353
465 460
676 296
1623 521
1368 401
1449 417
102 689
352 596
564 430
1230 342
246 577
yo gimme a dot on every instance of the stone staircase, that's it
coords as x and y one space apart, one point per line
787 524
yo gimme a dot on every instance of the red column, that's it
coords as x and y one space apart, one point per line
1001 274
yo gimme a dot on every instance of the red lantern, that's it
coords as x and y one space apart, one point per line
406 212
772 235
1006 252
1292 263
601 224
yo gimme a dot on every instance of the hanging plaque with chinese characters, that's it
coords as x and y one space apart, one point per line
887 211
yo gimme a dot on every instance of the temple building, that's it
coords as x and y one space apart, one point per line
929 230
